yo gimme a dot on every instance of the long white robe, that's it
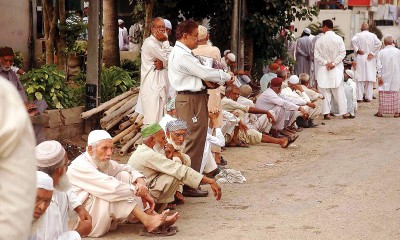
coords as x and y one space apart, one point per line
314 66
208 163
154 84
388 66
330 48
108 196
303 50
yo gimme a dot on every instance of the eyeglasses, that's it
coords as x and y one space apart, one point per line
159 27
184 135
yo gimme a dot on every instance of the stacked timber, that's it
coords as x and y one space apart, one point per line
119 118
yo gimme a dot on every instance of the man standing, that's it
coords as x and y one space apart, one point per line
366 45
33 108
110 191
185 75
303 53
154 85
164 165
328 53
51 158
388 78
123 40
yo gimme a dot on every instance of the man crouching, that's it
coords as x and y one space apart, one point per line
164 166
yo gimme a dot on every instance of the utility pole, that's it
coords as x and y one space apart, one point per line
235 28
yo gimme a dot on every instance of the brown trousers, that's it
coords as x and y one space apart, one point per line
192 108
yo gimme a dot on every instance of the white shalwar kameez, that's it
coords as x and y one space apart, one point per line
366 69
330 48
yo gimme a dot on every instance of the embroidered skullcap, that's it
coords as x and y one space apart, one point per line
307 30
49 153
176 125
294 79
85 4
150 130
167 23
350 73
120 21
276 82
98 135
6 51
44 181
202 32
273 67
170 105
227 51
231 57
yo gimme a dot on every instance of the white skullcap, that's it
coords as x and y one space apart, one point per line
49 153
44 181
294 79
231 57
307 30
167 24
350 73
85 4
120 21
98 135
227 51
202 32
292 24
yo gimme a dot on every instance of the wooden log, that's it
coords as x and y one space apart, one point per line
133 117
127 106
107 126
139 120
125 124
123 133
116 132
138 142
128 137
129 144
118 105
103 106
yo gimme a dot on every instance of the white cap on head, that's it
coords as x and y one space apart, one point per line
350 73
49 153
227 51
202 32
231 57
98 135
294 79
85 4
167 24
44 181
307 30
120 21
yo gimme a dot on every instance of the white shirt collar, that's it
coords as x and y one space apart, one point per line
183 46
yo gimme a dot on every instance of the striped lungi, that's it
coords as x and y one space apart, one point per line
388 102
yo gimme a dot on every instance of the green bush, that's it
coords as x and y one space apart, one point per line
48 83
133 68
113 82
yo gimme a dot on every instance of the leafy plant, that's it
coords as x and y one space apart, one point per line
133 68
74 28
48 83
314 27
114 81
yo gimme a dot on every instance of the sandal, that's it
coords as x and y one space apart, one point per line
162 231
238 144
378 114
327 117
396 115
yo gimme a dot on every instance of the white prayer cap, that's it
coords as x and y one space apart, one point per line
85 4
120 21
202 32
176 125
307 30
98 135
44 181
292 24
167 24
49 153
227 51
294 79
350 73
231 57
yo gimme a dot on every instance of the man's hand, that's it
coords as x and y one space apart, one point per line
370 57
140 187
160 35
360 52
85 224
31 109
213 114
303 112
242 126
380 81
298 87
329 66
216 190
148 199
169 151
271 117
82 213
311 105
158 64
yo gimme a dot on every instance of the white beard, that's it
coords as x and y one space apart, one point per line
63 183
158 148
36 224
6 68
101 165
176 147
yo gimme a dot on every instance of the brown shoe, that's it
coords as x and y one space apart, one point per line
346 116
327 117
193 192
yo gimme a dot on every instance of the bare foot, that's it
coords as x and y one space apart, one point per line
155 221
285 142
170 220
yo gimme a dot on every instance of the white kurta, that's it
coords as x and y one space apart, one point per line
123 40
314 66
370 44
109 196
208 163
388 67
303 50
154 85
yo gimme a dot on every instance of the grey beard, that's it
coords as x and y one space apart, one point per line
158 148
6 68
101 165
36 224
176 147
63 183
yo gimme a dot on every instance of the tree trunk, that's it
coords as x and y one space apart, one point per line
149 18
110 45
49 32
61 40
